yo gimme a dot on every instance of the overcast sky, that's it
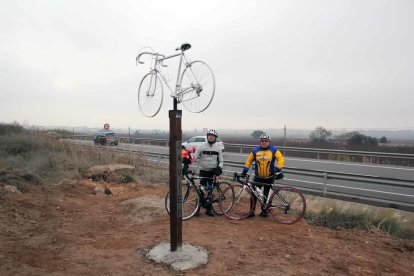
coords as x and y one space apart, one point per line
337 64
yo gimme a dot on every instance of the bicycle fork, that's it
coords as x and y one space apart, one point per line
152 80
285 205
241 194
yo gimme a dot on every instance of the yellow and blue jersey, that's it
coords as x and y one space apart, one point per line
265 160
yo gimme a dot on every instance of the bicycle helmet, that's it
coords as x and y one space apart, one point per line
212 132
265 136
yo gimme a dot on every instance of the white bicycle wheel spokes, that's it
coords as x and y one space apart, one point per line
150 95
197 87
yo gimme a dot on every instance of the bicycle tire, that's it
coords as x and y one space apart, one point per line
288 205
150 95
197 87
241 205
217 193
191 201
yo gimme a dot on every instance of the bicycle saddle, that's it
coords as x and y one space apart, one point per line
184 47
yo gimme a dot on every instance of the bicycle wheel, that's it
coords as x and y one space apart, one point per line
217 195
190 199
150 95
197 87
240 206
288 205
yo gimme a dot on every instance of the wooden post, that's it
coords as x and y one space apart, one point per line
175 179
284 141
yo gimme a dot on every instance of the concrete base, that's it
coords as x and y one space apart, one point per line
187 258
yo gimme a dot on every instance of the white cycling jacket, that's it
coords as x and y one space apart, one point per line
209 156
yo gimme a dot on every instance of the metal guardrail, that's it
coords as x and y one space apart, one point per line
151 141
337 152
321 183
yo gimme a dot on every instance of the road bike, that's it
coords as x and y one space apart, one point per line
286 204
194 88
194 197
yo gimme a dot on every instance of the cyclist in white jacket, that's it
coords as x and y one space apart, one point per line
210 160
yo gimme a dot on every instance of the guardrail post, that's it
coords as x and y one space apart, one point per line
241 149
325 182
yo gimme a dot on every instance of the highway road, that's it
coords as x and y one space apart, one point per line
390 183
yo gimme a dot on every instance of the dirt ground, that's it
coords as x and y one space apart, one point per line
74 229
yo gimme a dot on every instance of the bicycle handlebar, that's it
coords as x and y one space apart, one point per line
237 176
139 56
137 60
192 177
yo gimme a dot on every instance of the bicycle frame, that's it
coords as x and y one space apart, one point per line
284 203
192 178
206 197
159 58
248 185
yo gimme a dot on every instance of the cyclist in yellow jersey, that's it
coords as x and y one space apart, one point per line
269 160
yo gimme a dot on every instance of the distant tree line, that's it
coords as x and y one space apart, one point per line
321 136
62 131
8 129
257 133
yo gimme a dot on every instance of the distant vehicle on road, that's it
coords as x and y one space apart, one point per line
198 140
106 138
53 135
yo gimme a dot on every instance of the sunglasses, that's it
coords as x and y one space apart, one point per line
264 141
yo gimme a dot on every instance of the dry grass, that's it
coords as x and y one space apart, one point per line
335 213
51 160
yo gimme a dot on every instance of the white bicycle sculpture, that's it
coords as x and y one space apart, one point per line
194 88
